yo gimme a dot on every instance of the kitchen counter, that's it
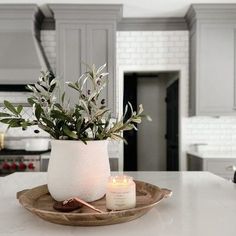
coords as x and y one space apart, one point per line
220 163
202 204
213 154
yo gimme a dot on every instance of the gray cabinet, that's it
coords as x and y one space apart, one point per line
212 61
216 165
101 50
71 50
86 34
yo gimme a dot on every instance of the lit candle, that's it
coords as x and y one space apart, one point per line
121 193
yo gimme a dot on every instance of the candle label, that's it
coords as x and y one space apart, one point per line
121 200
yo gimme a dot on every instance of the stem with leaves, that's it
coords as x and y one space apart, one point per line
88 119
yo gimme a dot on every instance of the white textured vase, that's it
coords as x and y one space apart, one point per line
78 170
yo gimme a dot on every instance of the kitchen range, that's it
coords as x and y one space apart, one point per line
21 150
19 154
19 161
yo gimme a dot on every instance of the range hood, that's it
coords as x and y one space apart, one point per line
21 54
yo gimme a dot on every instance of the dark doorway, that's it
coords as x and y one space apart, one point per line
131 83
130 95
172 127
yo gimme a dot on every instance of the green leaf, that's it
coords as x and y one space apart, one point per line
101 112
73 86
60 115
24 124
108 120
3 114
40 89
13 122
79 124
137 120
128 127
48 130
84 105
101 68
118 137
31 88
31 101
58 106
19 109
6 120
125 112
63 97
38 111
69 133
131 108
10 107
53 82
140 109
148 118
48 122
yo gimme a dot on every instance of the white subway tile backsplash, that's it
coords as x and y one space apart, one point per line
150 48
219 133
48 41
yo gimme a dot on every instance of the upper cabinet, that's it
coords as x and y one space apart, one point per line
86 34
212 59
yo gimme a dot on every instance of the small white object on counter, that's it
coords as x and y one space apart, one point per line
36 144
121 193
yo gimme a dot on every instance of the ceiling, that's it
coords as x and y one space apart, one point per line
134 8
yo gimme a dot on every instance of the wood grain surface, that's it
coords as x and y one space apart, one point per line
39 201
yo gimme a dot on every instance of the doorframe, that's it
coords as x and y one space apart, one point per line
183 94
170 86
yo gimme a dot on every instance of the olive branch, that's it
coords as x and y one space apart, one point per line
87 119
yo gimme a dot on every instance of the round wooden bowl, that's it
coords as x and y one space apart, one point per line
39 201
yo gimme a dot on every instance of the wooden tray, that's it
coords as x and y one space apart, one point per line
39 202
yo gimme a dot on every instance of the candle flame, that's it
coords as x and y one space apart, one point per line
120 180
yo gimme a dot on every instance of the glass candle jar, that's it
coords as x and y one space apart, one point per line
121 193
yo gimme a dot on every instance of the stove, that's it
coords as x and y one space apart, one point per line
19 161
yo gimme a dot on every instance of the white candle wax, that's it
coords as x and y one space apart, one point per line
121 193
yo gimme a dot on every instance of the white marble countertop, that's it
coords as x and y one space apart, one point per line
202 204
213 154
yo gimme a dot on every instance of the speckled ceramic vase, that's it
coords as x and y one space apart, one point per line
78 170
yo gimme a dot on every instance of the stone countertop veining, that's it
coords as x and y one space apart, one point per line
202 204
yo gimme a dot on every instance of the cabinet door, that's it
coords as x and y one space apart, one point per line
192 73
216 73
71 53
101 50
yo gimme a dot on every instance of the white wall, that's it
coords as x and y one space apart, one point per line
151 92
